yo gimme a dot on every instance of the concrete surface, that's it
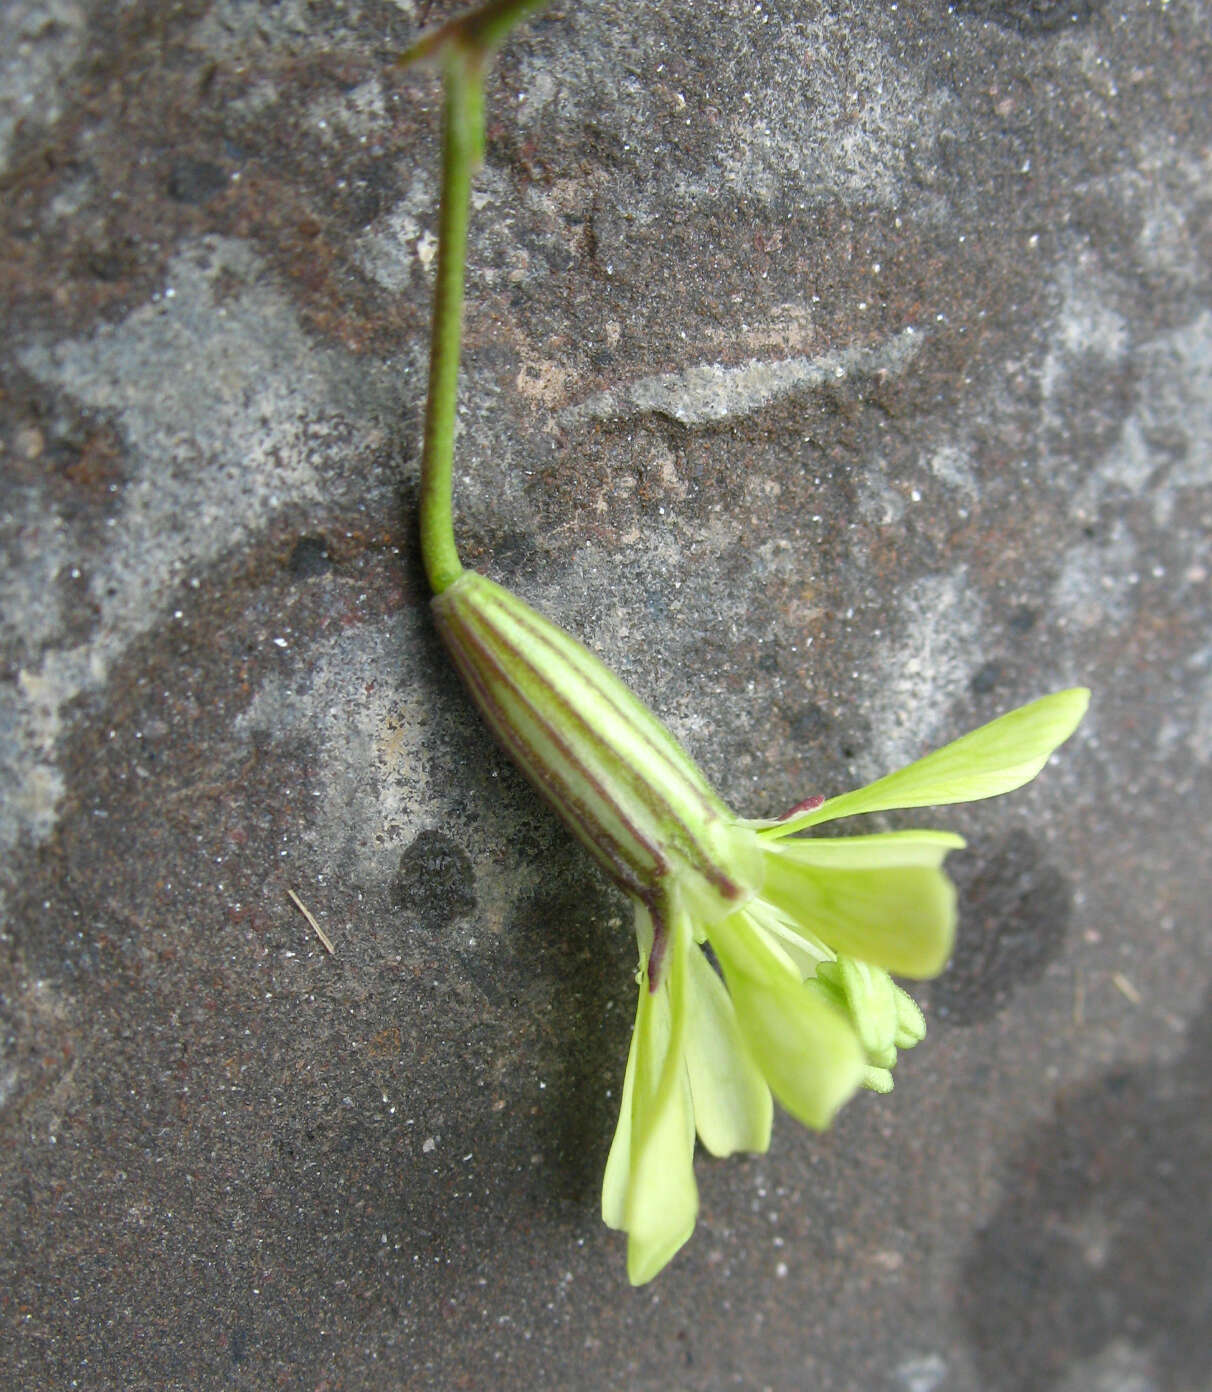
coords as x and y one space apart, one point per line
843 373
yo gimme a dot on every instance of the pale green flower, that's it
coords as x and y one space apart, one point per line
806 932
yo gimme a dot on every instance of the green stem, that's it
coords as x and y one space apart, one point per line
465 47
462 140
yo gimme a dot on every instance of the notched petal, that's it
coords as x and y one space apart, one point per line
806 1049
732 1104
649 1189
899 918
662 1199
996 758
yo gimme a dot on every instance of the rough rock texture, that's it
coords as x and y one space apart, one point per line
841 372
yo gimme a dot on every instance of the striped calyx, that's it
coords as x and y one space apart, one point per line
612 771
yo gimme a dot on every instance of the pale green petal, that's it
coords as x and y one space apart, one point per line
618 1162
616 1180
751 947
877 1079
871 997
899 918
997 758
732 1106
661 1201
807 1050
876 851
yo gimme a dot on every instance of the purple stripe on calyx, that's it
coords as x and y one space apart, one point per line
589 828
468 622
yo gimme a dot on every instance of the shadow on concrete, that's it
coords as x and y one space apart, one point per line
1103 1237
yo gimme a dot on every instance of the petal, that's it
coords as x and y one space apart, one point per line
662 1200
882 849
997 758
659 1198
806 1049
901 918
617 1178
732 1105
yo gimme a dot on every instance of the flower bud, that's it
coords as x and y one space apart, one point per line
612 771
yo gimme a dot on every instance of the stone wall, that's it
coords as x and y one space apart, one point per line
842 373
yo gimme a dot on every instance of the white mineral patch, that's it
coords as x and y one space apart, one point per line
360 112
228 412
231 29
1165 444
836 109
1201 733
928 664
1172 187
1096 581
878 500
376 731
395 247
709 392
1087 326
1118 1367
953 466
40 41
923 1374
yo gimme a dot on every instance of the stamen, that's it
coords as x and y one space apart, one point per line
808 805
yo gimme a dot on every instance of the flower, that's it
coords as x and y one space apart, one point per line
806 932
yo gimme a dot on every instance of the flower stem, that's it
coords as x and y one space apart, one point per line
464 48
462 140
